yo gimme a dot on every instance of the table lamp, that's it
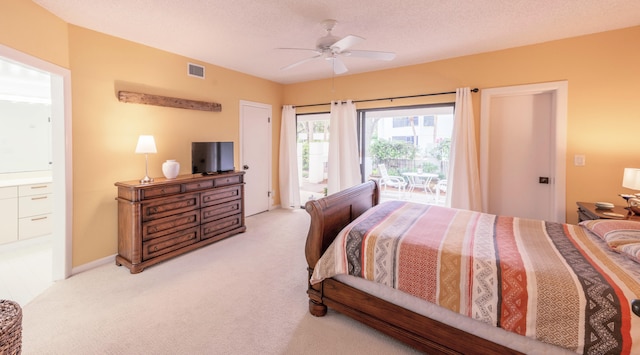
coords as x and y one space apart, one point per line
631 180
146 145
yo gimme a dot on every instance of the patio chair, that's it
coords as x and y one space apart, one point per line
441 186
397 182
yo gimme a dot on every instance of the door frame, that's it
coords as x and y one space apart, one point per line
558 139
61 172
244 103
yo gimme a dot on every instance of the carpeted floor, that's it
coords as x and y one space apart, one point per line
242 295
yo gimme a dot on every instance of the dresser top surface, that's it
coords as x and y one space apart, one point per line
187 178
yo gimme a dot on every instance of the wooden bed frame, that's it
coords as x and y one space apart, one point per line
328 216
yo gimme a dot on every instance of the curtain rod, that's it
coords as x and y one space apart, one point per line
390 98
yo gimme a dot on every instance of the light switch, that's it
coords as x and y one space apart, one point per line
579 160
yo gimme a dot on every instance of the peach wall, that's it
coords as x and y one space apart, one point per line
105 130
29 28
602 71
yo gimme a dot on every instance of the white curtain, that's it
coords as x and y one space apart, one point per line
344 160
288 173
463 185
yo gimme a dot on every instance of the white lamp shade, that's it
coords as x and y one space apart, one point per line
146 144
631 178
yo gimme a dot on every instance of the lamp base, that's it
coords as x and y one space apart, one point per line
634 206
146 180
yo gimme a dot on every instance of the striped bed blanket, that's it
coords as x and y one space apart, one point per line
549 281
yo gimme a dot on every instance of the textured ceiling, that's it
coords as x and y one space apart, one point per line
244 35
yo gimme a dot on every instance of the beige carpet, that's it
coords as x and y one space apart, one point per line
243 295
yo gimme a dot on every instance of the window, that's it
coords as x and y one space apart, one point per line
429 121
408 141
404 121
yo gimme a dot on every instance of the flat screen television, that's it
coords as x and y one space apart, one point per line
211 157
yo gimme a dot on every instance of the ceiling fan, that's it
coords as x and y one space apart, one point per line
331 48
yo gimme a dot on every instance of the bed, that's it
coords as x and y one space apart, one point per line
507 295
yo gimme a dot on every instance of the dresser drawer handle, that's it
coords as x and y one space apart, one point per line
38 187
39 198
37 219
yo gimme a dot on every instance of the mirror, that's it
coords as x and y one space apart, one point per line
25 118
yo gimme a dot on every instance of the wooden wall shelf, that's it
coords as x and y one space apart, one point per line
148 99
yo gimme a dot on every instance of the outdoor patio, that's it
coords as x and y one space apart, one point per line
310 191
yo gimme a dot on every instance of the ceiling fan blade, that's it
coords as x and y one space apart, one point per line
371 54
302 49
338 66
346 43
301 62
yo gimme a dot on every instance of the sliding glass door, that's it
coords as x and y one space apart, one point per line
313 152
406 149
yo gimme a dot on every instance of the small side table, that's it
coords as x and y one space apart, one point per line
588 211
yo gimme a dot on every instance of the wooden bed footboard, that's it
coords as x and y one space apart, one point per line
332 213
329 215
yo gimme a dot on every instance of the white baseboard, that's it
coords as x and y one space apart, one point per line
94 264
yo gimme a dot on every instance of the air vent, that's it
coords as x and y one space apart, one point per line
195 70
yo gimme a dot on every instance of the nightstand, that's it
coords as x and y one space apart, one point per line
588 211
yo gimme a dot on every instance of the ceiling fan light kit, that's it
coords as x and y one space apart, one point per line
331 48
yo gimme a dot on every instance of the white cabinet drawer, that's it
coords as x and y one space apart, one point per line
34 205
35 189
8 220
8 192
34 226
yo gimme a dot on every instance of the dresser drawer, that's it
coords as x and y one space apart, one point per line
34 205
227 180
168 206
8 192
160 191
34 189
173 223
200 185
34 226
222 210
169 243
220 226
221 195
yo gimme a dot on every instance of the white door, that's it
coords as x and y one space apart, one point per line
523 145
255 155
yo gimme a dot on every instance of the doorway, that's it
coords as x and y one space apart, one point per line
60 82
255 155
522 150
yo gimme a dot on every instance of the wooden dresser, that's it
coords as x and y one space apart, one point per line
166 218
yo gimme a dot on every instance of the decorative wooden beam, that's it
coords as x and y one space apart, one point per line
148 99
